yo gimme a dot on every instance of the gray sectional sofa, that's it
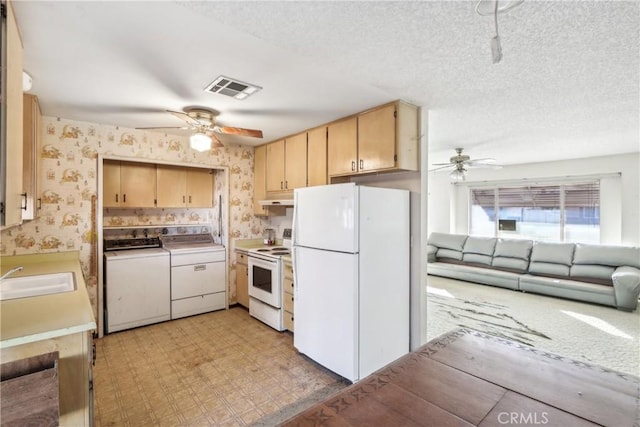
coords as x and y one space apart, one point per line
608 275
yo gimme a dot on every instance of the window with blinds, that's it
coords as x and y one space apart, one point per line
567 212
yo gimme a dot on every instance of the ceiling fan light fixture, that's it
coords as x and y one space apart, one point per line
200 141
458 174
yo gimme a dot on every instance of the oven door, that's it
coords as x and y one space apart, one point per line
264 280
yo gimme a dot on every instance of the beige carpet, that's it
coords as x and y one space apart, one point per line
587 332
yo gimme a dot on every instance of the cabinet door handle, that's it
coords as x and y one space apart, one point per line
281 185
116 197
353 166
189 199
24 196
183 199
286 184
200 267
361 164
124 198
39 203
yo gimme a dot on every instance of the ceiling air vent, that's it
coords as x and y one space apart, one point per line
231 87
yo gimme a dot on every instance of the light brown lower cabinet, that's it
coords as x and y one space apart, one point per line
287 297
242 279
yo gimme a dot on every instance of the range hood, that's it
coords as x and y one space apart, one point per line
276 202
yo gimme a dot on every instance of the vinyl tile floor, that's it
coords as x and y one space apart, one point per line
223 368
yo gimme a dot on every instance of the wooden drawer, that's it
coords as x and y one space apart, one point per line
287 320
288 271
241 258
287 302
288 286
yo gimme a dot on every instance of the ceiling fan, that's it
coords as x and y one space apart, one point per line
460 162
201 122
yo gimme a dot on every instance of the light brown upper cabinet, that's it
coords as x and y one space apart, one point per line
287 163
32 135
317 156
275 166
342 147
180 187
199 188
171 184
128 184
387 140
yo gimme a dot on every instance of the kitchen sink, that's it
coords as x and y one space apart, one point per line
37 285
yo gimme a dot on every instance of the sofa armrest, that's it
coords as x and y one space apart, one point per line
626 284
431 253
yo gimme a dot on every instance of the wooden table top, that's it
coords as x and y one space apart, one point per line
468 378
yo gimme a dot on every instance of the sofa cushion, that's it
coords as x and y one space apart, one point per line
614 256
478 250
548 269
555 253
483 260
592 273
479 245
512 255
447 241
512 248
510 264
449 253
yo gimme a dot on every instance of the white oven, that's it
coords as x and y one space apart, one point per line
265 280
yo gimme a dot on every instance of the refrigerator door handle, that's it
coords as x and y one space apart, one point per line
294 222
295 270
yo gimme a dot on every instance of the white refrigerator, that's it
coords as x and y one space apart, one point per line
351 249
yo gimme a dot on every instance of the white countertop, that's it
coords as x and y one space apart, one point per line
26 320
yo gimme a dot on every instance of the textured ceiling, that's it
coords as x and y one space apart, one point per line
567 87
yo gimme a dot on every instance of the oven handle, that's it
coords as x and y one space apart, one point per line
259 259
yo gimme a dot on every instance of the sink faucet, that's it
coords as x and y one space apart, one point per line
10 272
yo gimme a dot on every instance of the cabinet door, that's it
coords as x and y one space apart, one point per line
32 128
259 178
242 284
138 184
171 184
111 197
199 188
295 162
377 139
317 156
342 147
12 155
275 166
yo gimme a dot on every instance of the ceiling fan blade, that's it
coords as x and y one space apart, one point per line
238 131
164 127
185 117
441 167
481 161
443 164
216 141
484 166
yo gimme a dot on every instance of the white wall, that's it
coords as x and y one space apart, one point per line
620 196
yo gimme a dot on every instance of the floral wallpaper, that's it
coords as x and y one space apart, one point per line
68 166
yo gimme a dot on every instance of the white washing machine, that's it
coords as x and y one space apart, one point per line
137 288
